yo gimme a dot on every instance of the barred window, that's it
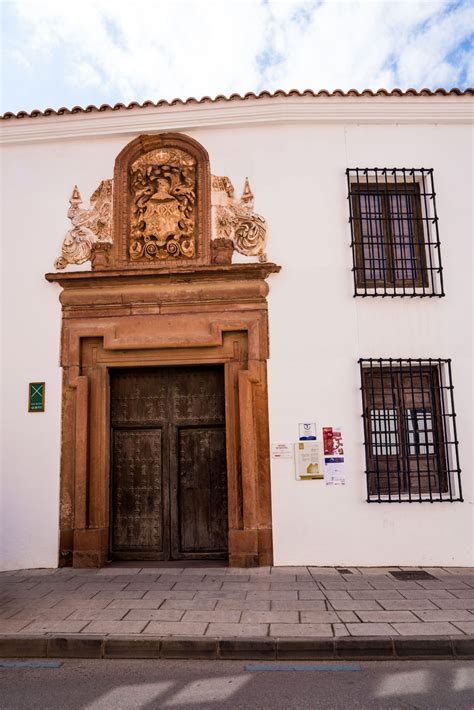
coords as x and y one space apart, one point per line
394 228
410 436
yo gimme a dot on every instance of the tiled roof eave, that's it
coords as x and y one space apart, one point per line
237 97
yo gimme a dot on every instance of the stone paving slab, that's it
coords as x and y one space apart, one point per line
427 628
169 628
466 626
375 629
301 630
161 605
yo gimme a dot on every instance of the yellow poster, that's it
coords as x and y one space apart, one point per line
308 465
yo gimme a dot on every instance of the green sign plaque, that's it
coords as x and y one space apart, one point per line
36 396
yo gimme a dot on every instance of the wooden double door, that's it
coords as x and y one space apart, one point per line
168 463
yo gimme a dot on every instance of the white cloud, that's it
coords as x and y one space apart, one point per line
164 49
84 73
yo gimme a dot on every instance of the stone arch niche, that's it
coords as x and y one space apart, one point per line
162 309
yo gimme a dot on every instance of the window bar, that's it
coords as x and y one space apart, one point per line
424 410
454 430
437 245
382 244
439 447
417 451
407 436
358 240
390 228
388 268
435 433
418 231
423 228
366 423
398 431
377 450
366 240
418 255
369 239
412 246
384 408
426 230
433 274
353 233
405 240
446 431
377 470
437 436
395 221
378 246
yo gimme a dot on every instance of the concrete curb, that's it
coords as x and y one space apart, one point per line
341 648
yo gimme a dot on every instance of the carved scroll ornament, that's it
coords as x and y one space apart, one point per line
90 225
236 220
163 213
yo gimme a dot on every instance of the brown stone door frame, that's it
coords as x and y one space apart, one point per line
111 320
96 363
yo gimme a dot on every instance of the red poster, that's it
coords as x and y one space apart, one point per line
332 441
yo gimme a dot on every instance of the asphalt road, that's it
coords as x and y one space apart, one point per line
124 685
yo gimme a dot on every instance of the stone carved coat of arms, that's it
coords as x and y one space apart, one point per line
163 213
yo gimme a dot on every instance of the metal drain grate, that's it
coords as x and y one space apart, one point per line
343 570
413 575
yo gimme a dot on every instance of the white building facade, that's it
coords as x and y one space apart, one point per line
366 205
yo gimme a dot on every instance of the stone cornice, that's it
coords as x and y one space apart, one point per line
162 275
250 111
147 290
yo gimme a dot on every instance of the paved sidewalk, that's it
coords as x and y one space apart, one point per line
306 603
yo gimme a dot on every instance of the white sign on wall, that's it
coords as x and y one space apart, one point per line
307 431
334 471
282 451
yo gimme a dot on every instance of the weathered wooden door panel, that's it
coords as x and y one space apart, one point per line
201 492
169 478
197 396
139 397
139 493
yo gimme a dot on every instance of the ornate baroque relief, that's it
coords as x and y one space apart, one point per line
89 225
236 220
163 216
163 211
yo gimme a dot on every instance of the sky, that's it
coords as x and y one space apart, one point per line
68 53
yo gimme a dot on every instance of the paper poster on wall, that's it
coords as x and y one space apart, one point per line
282 451
334 471
307 431
308 461
333 456
332 439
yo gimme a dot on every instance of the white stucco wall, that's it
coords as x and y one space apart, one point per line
317 329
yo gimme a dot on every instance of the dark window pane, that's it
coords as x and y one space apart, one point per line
420 435
403 236
384 427
373 247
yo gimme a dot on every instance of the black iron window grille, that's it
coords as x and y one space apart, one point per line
411 446
394 232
